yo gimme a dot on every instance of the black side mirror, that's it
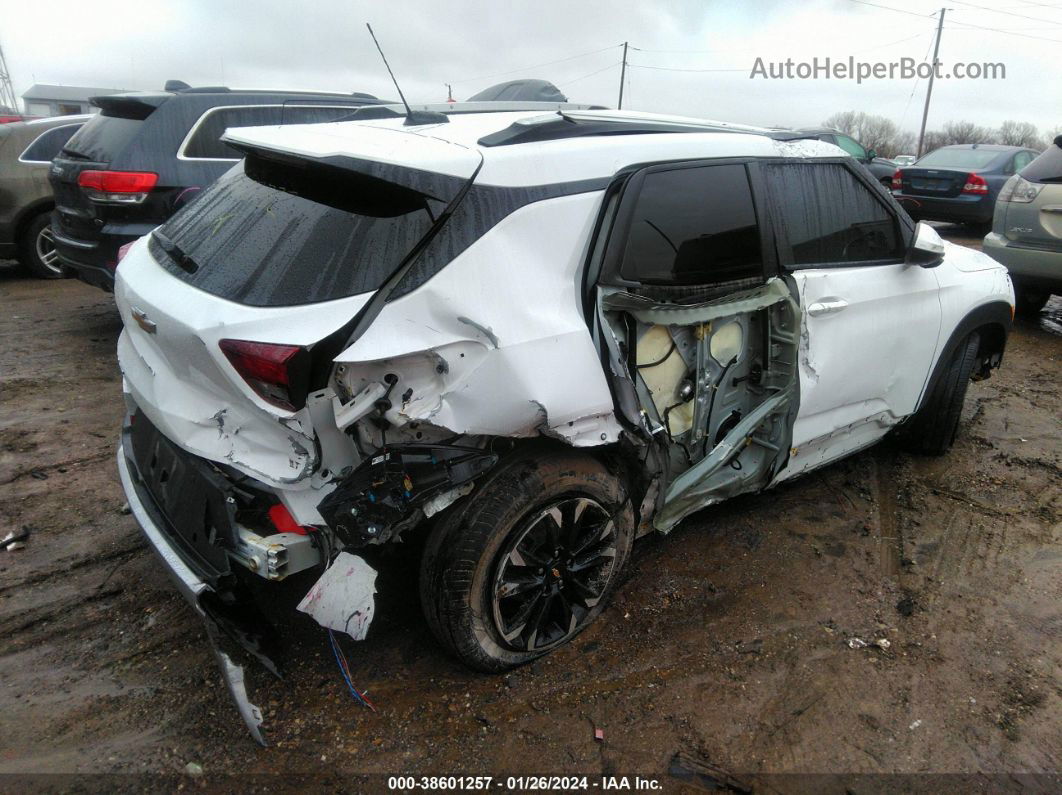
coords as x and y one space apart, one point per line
927 249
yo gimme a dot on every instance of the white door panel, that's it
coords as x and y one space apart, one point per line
868 340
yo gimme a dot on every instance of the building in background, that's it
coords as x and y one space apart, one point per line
45 100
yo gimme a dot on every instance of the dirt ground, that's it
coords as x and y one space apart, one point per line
725 652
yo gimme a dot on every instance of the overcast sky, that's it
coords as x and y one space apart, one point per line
323 44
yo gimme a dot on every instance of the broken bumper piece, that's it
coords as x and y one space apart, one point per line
221 629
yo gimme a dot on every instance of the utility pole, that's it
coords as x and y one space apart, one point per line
623 76
450 94
929 90
7 92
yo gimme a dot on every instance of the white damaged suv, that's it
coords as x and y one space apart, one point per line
531 337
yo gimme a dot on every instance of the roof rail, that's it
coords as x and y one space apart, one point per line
591 122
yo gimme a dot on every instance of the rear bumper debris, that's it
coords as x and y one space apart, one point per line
195 589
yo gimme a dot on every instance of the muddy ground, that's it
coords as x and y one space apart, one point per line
727 643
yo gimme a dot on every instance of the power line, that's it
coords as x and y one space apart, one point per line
1005 32
535 66
1008 13
599 71
890 8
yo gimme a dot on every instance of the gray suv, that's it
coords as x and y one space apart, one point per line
26 152
1026 231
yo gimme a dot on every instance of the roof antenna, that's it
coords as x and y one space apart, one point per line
412 117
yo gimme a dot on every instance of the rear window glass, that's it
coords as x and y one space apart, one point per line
693 226
47 144
249 242
204 141
1045 168
102 138
959 158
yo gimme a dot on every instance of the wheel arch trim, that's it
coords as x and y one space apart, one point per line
996 317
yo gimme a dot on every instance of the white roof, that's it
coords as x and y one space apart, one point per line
453 148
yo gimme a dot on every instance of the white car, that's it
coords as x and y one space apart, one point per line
530 337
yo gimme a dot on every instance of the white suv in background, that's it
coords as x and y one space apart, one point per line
531 337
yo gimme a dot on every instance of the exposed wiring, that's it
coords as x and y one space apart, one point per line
341 661
662 359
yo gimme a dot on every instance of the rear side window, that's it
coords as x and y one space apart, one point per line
693 226
204 141
251 238
102 138
829 216
47 144
1047 167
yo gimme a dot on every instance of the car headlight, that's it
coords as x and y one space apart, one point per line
1017 189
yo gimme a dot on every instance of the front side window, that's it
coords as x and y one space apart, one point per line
693 226
1021 160
852 147
829 216
205 141
47 145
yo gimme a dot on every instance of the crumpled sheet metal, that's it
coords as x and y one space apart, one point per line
649 311
343 598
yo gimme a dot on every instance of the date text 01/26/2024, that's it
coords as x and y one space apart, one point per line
522 783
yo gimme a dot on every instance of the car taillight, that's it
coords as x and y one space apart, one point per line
975 184
278 374
897 179
117 187
123 250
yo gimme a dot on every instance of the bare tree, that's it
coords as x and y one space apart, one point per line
966 132
874 132
1020 133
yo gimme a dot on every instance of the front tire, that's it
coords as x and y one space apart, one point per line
933 428
527 561
37 249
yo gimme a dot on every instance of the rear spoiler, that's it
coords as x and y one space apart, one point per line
129 106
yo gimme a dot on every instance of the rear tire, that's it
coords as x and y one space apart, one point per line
933 428
36 249
499 588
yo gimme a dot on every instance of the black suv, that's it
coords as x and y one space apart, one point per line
145 155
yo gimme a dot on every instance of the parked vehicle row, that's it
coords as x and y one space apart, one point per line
26 152
364 332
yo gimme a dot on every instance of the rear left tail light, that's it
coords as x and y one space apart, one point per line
279 374
1019 190
117 187
897 179
975 184
123 250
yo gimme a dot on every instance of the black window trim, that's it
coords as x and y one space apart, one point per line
902 222
182 147
22 157
630 181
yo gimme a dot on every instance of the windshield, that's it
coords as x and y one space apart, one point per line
959 158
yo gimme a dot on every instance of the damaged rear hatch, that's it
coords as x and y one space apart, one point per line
235 308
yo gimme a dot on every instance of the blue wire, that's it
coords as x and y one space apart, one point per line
337 652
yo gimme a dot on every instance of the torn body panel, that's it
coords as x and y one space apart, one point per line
718 386
858 376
